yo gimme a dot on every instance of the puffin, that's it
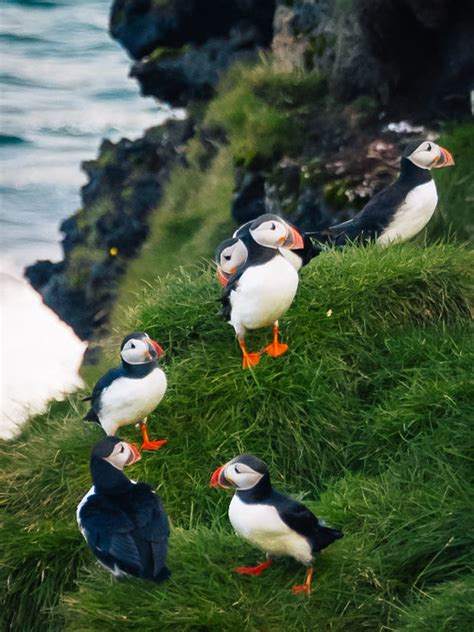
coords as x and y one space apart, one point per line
404 208
230 255
123 522
127 394
260 291
273 522
277 232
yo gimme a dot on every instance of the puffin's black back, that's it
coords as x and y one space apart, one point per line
127 529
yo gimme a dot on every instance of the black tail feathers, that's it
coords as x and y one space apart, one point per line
326 536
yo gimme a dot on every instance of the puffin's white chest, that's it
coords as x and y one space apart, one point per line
413 214
264 293
129 400
262 526
81 505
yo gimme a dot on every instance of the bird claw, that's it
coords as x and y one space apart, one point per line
153 445
276 349
301 588
249 360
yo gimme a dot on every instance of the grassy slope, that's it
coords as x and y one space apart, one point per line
366 418
369 408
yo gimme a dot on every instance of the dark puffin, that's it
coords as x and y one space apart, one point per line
127 394
403 209
277 232
276 524
124 523
261 289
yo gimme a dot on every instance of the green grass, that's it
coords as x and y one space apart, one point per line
366 418
455 213
261 109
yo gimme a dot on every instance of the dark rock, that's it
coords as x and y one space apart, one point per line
143 25
125 184
191 75
249 198
185 45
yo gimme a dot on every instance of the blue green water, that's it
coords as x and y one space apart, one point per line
64 86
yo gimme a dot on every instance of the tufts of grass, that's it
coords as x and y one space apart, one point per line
259 107
455 214
449 606
367 413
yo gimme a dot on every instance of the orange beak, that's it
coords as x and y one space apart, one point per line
215 478
134 455
445 160
295 240
222 277
159 350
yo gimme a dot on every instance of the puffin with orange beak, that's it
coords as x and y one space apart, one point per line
274 523
127 394
261 288
403 209
124 523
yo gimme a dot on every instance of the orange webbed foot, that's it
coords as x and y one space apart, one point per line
276 349
153 445
250 359
301 588
253 570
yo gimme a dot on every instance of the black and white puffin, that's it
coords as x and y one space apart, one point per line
124 523
276 524
260 292
127 394
276 232
230 255
403 209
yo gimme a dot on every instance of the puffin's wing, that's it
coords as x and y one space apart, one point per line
108 532
151 523
303 521
374 217
105 381
225 296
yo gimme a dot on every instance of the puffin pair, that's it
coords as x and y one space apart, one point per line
258 268
129 393
404 208
123 522
274 523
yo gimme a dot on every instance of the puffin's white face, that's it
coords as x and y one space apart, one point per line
233 257
271 233
136 351
236 475
429 155
123 454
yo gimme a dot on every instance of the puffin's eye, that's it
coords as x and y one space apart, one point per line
227 257
132 346
237 471
428 148
273 227
122 448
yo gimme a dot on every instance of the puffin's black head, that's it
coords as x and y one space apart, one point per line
108 458
273 231
428 155
139 348
242 473
116 452
230 255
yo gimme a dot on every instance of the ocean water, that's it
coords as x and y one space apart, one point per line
63 87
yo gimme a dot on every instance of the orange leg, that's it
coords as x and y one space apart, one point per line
306 587
253 570
248 359
147 443
276 348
